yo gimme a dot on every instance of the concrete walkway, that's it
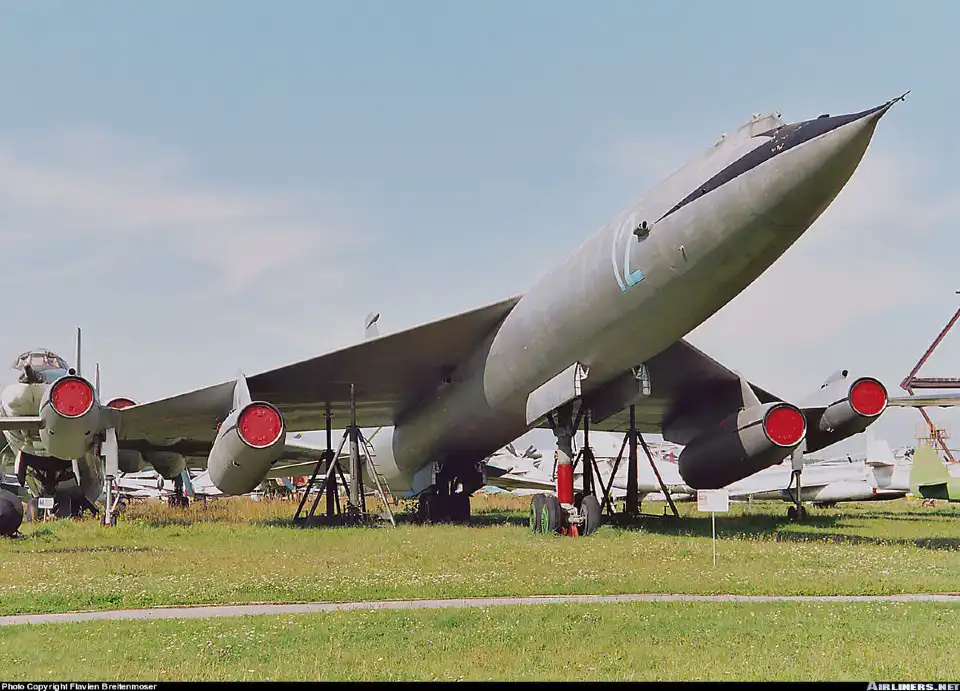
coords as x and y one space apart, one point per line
210 611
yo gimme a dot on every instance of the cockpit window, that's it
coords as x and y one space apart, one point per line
39 360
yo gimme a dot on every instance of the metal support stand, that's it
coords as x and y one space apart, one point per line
356 509
355 502
632 437
633 491
588 462
607 496
663 487
331 468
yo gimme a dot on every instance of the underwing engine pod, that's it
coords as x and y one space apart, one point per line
249 441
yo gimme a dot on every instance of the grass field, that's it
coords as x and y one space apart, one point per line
665 641
235 550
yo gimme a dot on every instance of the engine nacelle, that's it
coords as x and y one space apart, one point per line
129 461
865 400
249 441
71 417
743 443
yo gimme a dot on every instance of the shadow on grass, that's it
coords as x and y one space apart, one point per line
771 527
98 548
478 520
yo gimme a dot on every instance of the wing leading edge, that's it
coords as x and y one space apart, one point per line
389 373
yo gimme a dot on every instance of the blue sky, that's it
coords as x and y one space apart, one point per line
212 186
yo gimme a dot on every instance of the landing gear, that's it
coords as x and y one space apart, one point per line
797 513
546 516
566 513
448 500
459 507
178 500
11 513
551 515
437 507
592 518
536 507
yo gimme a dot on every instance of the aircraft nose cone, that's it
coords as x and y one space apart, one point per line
819 157
854 130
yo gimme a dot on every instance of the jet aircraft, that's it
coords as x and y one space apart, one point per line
877 476
52 421
930 478
600 334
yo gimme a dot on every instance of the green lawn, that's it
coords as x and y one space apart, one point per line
666 641
236 552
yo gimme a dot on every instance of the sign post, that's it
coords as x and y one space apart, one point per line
713 500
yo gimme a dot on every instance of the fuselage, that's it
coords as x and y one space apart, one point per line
829 482
621 297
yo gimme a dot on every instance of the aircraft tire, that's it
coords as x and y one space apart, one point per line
439 508
802 513
536 509
460 507
551 516
592 518
11 513
792 512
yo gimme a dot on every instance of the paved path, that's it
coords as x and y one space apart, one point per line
210 611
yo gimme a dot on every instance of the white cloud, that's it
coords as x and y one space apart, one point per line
107 189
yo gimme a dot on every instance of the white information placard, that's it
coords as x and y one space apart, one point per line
713 500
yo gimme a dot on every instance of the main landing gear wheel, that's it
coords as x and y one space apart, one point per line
459 505
590 509
797 514
536 507
551 515
432 508
11 513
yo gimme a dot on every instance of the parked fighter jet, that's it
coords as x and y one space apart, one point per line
876 476
602 333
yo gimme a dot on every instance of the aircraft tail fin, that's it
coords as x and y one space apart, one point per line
76 354
188 491
879 452
927 469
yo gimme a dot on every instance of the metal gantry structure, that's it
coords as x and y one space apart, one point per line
912 382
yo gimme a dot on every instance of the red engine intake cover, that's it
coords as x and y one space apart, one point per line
868 397
71 397
785 425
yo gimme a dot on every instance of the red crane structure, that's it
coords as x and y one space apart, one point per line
912 381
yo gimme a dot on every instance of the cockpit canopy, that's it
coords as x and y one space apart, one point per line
40 360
